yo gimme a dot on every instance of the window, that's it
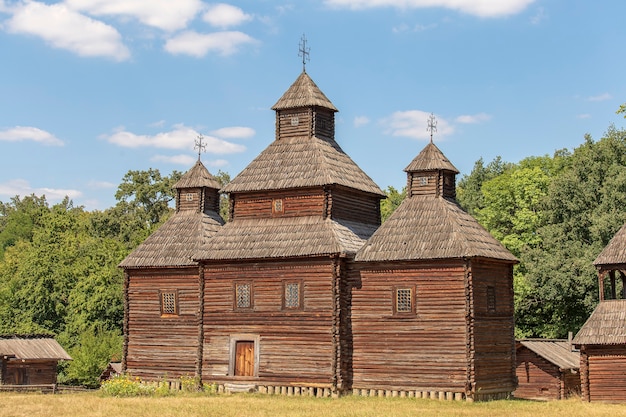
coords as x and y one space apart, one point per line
404 300
189 196
292 295
243 295
422 181
295 121
491 299
277 206
169 303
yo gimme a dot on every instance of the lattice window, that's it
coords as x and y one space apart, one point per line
404 300
491 299
292 295
277 206
189 196
243 295
169 302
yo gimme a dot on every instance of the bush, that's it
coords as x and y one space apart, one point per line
126 386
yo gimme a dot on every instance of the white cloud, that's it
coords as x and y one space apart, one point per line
186 160
361 121
539 17
600 97
404 28
482 8
218 163
23 133
224 15
22 188
101 184
413 123
199 44
163 14
64 28
181 137
473 119
234 132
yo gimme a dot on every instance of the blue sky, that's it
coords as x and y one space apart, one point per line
90 89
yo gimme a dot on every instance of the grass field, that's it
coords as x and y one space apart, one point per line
92 404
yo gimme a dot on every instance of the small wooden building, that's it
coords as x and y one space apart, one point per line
602 339
162 285
547 369
30 361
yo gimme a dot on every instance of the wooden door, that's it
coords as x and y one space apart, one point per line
244 359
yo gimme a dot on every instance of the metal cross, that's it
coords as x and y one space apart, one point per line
304 52
201 147
432 126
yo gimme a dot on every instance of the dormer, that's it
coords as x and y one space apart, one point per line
197 190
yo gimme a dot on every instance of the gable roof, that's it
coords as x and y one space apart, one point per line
431 159
615 252
297 162
605 326
431 227
556 351
32 347
174 243
285 237
198 176
303 93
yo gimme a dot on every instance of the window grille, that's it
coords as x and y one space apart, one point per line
168 303
491 299
278 206
243 295
404 300
189 196
292 295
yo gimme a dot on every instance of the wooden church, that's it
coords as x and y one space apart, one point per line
304 292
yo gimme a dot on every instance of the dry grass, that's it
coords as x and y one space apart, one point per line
93 404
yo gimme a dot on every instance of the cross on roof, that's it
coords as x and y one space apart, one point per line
201 147
304 52
432 126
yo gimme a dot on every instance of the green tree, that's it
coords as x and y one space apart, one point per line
391 203
469 188
19 218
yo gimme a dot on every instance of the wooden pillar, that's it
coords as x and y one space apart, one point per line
601 275
470 352
623 277
613 289
126 321
200 318
336 340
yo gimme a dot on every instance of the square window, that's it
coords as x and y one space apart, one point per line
189 196
169 303
277 206
404 300
292 297
422 181
243 295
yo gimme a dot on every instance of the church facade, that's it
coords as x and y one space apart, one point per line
303 291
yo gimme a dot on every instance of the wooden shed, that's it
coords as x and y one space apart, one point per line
547 369
30 361
162 284
602 339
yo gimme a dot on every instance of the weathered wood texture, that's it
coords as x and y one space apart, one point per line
295 346
539 379
492 339
198 199
440 183
161 345
425 351
302 202
603 376
28 372
346 204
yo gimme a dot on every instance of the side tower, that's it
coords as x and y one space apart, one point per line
275 299
162 287
432 307
602 339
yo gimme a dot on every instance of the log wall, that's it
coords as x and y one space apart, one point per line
29 372
162 345
346 204
294 123
425 351
295 346
302 202
606 371
492 339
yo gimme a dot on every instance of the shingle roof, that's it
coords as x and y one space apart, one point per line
174 243
605 326
615 252
430 159
430 227
32 348
197 176
556 351
303 93
302 162
284 237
